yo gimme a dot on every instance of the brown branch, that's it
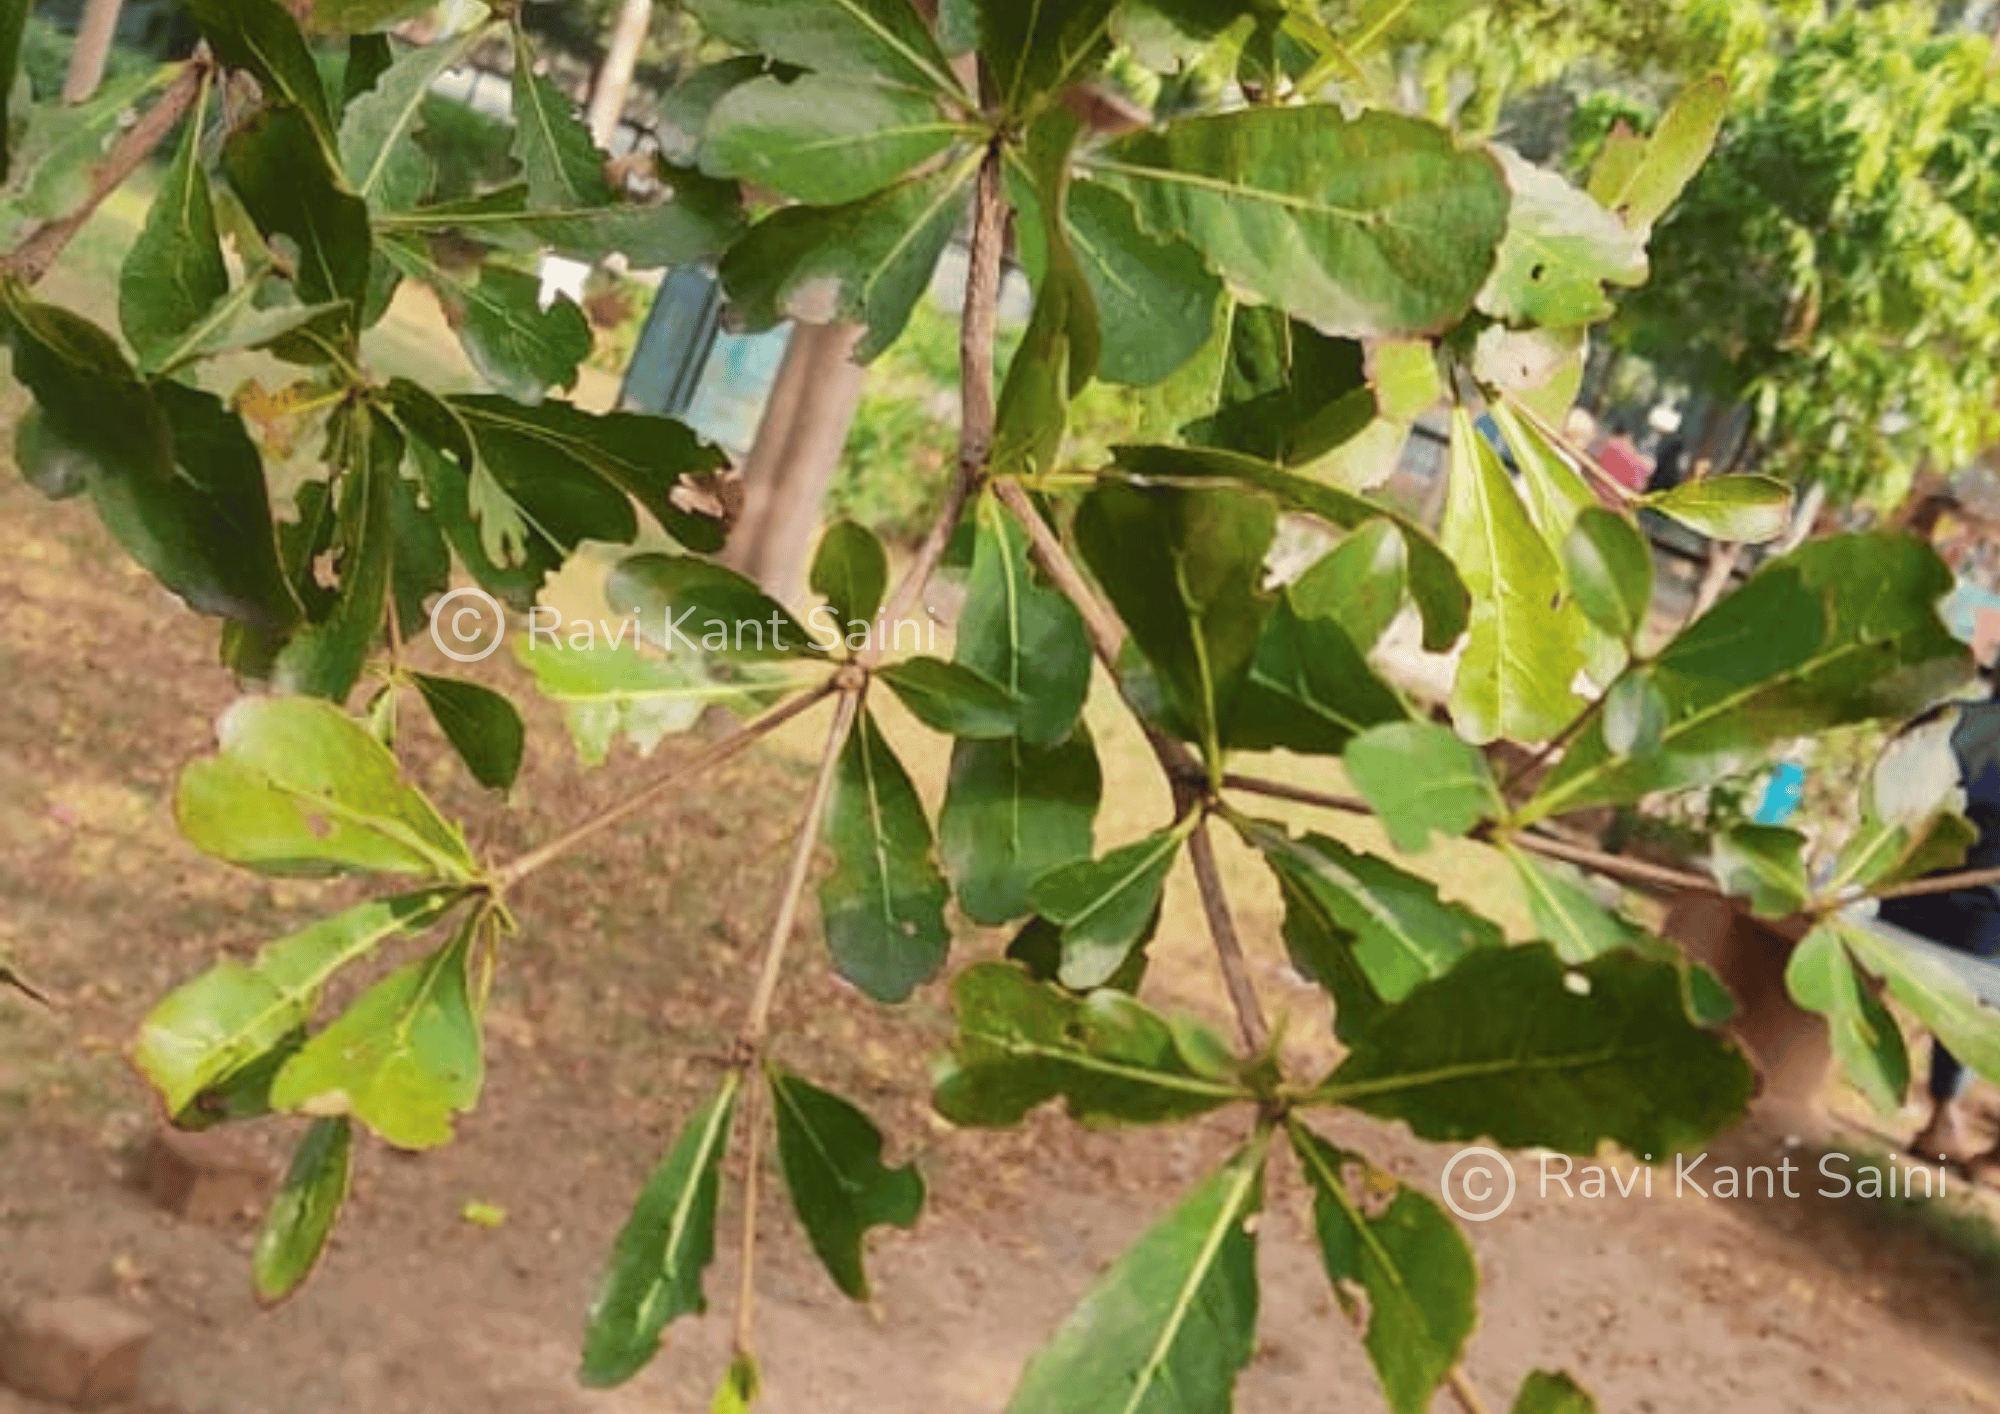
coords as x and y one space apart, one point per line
1943 884
746 1267
1278 790
1228 947
29 261
1462 1390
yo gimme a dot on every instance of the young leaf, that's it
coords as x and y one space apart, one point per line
260 37
697 606
832 1157
1822 978
1104 905
1022 1043
1748 510
214 1028
1038 50
824 140
301 1217
1560 251
883 905
1012 813
1310 690
883 40
482 726
664 1249
1167 1329
1557 494
1764 864
1421 778
851 571
1021 633
1515 1045
867 262
565 170
301 787
739 1388
174 271
1546 1392
402 1059
1515 678
1361 585
952 698
1610 571
1410 1260
608 692
1647 177
1310 211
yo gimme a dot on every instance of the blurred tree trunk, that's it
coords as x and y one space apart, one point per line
614 76
94 33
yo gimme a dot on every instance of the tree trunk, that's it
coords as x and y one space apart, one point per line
94 33
614 77
799 442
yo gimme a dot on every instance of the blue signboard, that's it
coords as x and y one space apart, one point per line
688 366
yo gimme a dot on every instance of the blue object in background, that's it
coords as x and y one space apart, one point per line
1782 795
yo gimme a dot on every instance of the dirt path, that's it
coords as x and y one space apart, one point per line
605 1026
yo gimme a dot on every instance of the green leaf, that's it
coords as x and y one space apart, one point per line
825 140
1313 212
1928 987
1575 924
1635 715
261 38
884 40
1037 50
1185 570
301 1217
1310 690
1641 186
608 692
1012 813
697 606
384 165
1524 653
60 147
1022 633
1289 394
1408 1258
1557 494
211 1030
1156 298
1748 510
565 171
1021 1043
13 26
420 560
235 324
1822 978
368 58
832 1157
1546 1392
482 726
1764 864
952 698
694 220
1037 946
1361 585
1435 584
1609 566
883 905
403 1058
1514 1045
1368 932
664 1249
1167 1329
362 16
867 262
1909 825
174 271
280 172
1103 906
519 346
739 1388
301 787
684 109
1842 630
1560 251
1421 778
851 571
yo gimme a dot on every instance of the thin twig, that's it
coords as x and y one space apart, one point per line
1580 724
746 1266
679 775
1278 790
1228 947
1943 884
1462 1390
29 261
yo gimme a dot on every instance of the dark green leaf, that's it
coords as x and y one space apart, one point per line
1764 864
481 725
1103 906
697 606
1547 1392
1289 394
565 171
384 165
209 1031
883 905
851 571
301 1217
1515 1045
832 1156
1155 299
952 698
420 560
825 140
696 219
260 37
1749 510
1361 585
1022 1043
1208 549
664 1249
235 323
1822 978
368 58
1310 690
1421 778
1022 633
1314 212
1610 571
867 262
684 109
1408 1258
1038 50
1013 812
519 346
13 25
884 40
1560 251
1167 1329
174 271
280 172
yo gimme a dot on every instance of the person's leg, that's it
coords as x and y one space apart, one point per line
1943 1137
